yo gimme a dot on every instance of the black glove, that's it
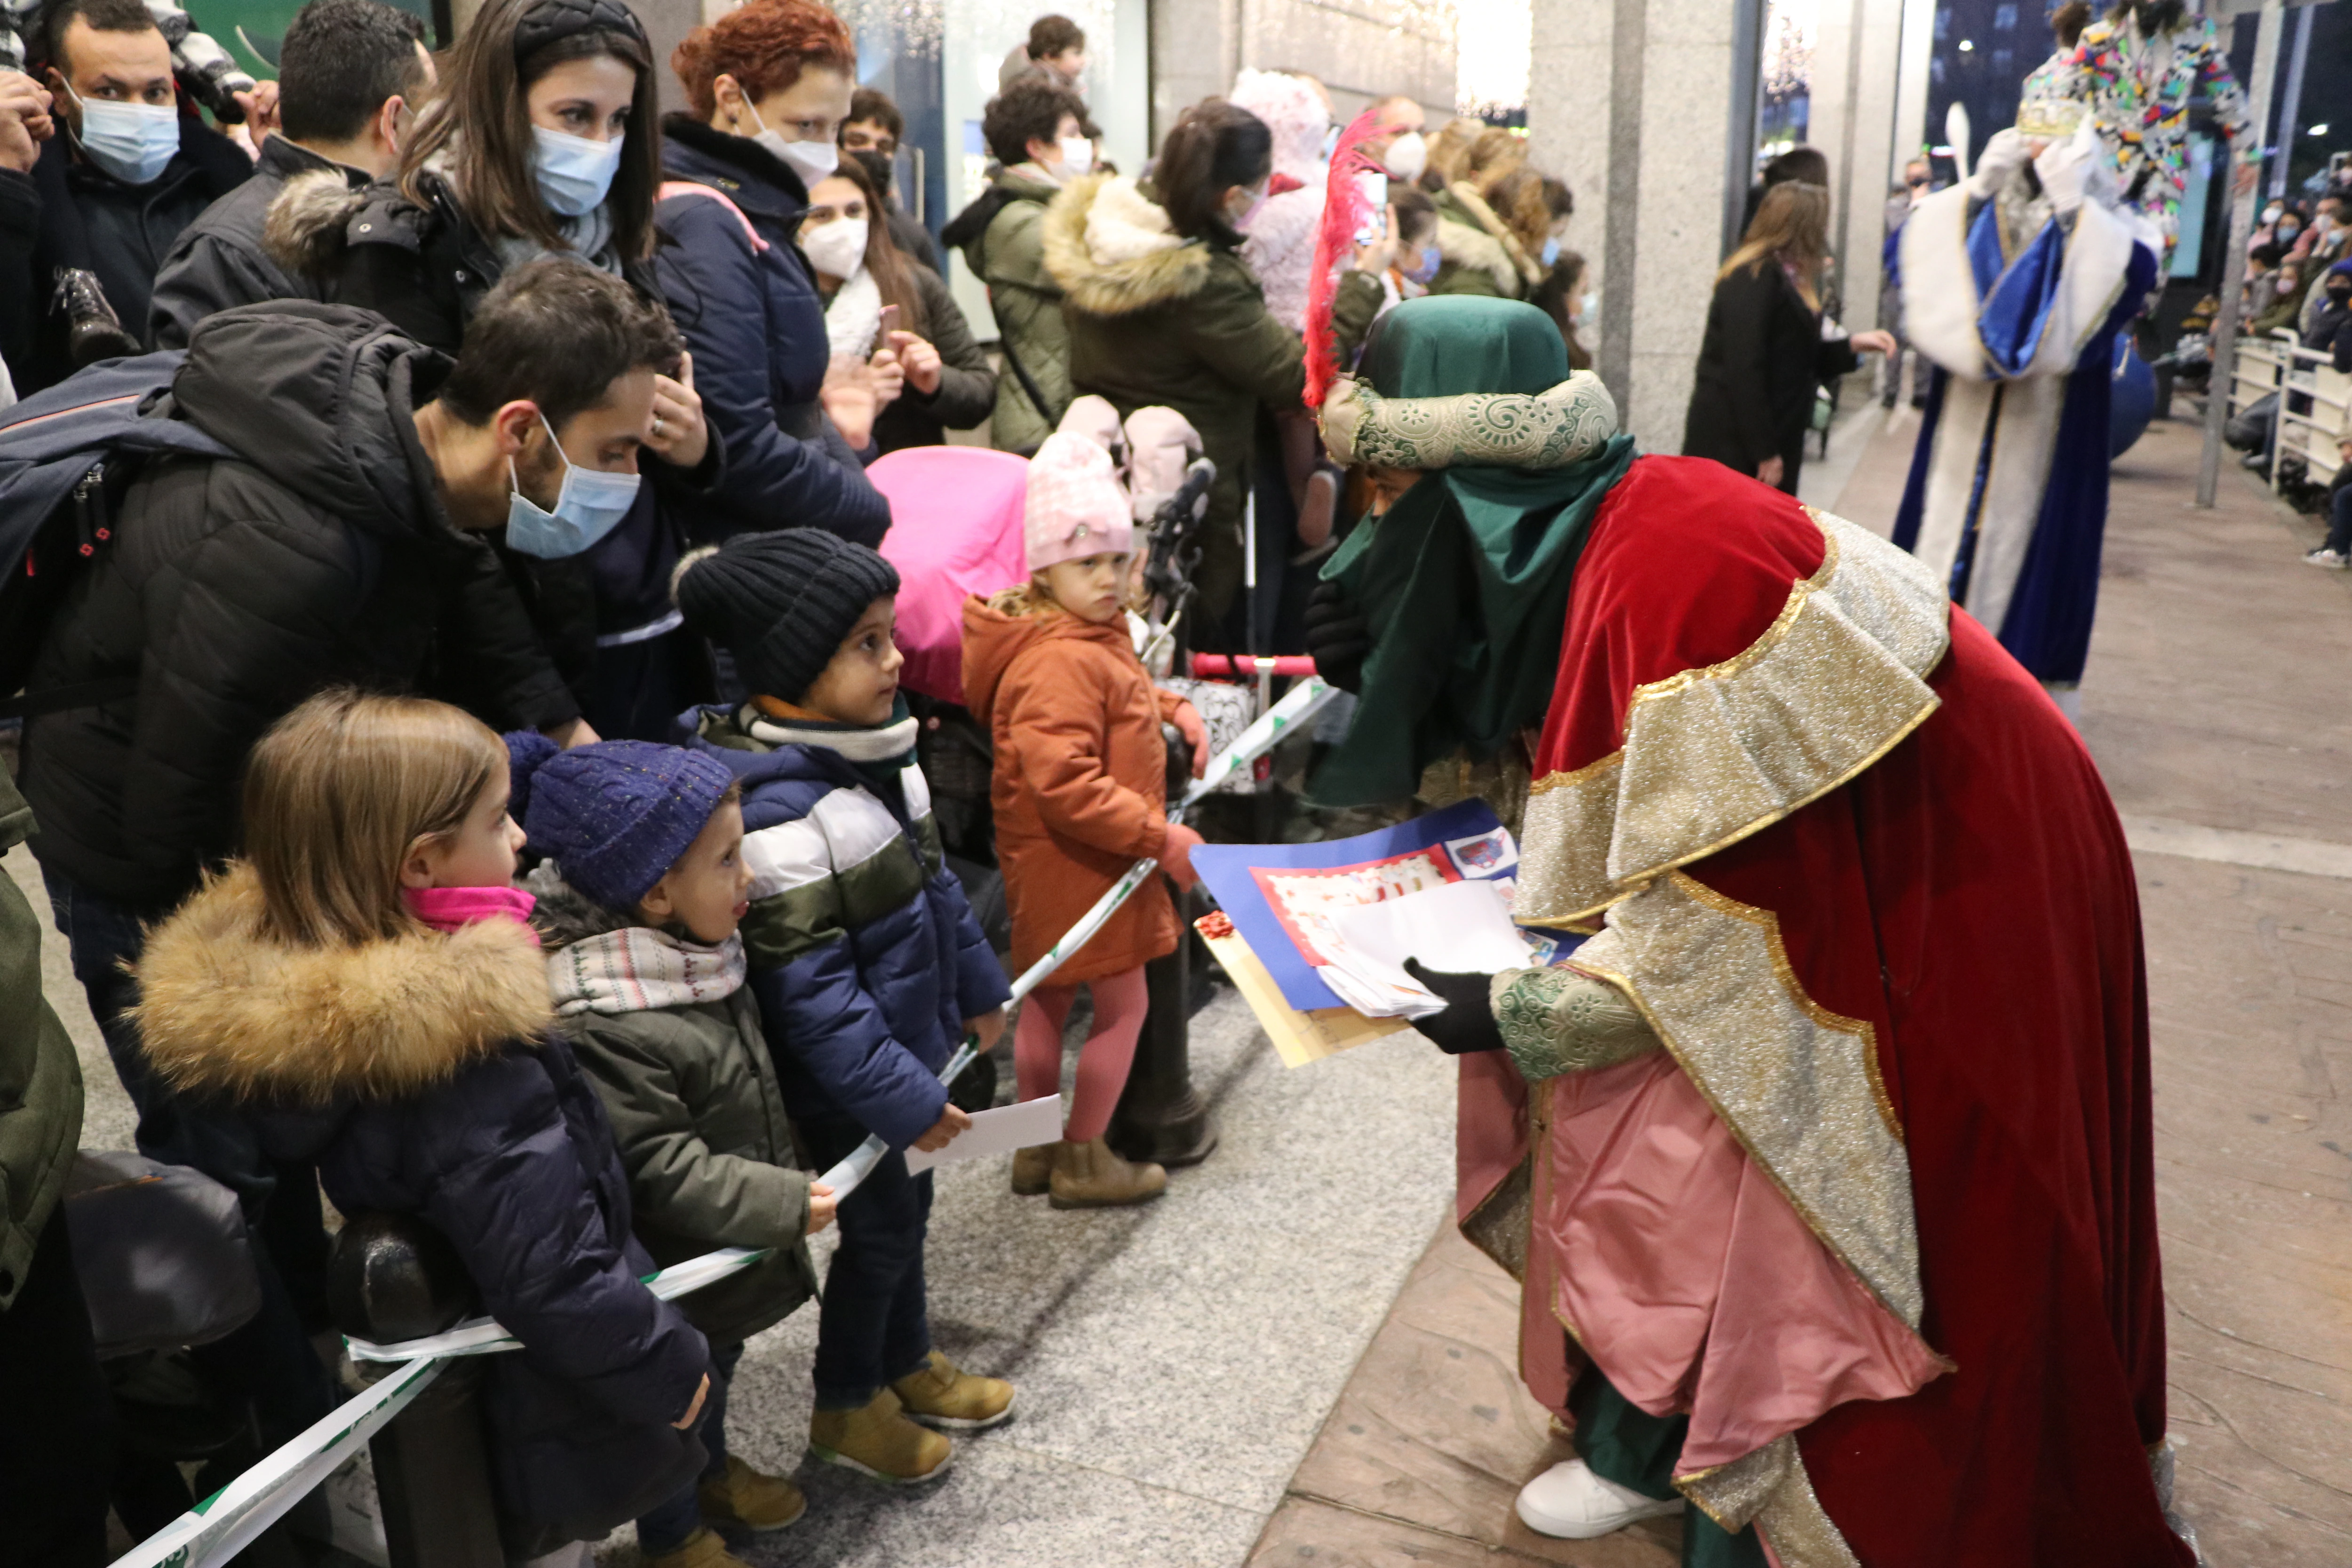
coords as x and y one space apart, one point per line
1339 637
1468 1023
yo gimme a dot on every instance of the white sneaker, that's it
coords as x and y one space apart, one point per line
2334 559
1569 1502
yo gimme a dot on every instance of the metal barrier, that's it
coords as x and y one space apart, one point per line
2315 402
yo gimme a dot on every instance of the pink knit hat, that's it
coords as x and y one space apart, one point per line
1076 507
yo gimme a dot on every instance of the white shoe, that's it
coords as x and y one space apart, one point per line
2334 559
1569 1502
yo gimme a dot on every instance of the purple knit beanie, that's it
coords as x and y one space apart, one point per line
613 817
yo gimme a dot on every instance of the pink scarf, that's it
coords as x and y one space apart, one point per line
451 909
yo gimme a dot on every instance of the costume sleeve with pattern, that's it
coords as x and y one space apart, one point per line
1561 1020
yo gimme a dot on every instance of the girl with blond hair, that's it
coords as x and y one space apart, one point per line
364 986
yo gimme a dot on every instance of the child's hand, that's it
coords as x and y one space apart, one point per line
1176 855
822 1204
988 1028
695 1409
1187 720
943 1131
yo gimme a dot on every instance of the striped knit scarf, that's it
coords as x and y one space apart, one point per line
639 970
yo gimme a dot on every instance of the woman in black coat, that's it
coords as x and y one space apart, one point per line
1768 347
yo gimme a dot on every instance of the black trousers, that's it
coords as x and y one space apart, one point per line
56 1424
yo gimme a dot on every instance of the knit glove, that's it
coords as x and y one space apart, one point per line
1468 1024
1338 636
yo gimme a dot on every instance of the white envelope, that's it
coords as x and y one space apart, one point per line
998 1131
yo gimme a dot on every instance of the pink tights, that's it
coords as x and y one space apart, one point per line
1103 1061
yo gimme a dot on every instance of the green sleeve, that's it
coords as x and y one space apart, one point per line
1562 1020
1354 307
1235 337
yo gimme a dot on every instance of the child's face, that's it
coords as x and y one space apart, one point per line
708 892
1089 588
862 682
480 854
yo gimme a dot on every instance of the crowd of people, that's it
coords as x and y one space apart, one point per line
472 422
464 713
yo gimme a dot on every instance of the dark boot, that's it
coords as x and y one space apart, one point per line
93 332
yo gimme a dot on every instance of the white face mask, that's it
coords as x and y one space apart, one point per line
837 249
1077 158
812 160
131 141
1255 199
1408 156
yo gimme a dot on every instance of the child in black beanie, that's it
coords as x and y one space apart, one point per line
866 958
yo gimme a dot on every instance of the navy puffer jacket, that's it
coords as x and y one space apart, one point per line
865 956
421 1074
753 320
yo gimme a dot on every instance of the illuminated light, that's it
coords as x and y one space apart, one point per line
1967 46
2318 129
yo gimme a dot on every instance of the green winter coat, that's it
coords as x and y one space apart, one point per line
1156 320
1002 236
1477 253
700 1125
40 1076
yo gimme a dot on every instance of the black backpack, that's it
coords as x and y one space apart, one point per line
66 455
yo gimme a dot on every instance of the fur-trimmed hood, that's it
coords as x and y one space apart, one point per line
1110 247
223 1009
563 915
1486 243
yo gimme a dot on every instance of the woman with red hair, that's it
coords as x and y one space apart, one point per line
769 84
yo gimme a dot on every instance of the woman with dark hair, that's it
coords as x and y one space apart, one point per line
541 143
1766 348
1163 312
943 381
768 86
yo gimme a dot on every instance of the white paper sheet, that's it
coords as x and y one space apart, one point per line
1461 927
998 1131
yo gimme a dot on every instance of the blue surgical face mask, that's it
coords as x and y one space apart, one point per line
131 141
1424 269
573 172
1551 250
590 505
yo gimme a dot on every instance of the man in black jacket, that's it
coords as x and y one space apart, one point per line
236 587
130 170
347 76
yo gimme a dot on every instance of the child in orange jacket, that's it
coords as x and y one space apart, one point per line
1079 795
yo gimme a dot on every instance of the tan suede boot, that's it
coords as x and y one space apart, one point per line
942 1395
1089 1176
745 1497
703 1549
1032 1169
877 1440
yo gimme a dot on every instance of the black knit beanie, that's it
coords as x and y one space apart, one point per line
782 602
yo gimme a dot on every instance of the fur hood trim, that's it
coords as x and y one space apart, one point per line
1110 249
304 230
1490 245
224 1009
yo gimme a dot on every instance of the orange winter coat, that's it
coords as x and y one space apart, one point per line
1080 791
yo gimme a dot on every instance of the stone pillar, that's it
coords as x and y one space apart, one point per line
1856 72
1647 109
1196 53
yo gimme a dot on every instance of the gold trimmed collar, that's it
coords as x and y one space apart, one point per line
1711 755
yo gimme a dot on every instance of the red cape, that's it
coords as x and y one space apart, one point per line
1768 727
